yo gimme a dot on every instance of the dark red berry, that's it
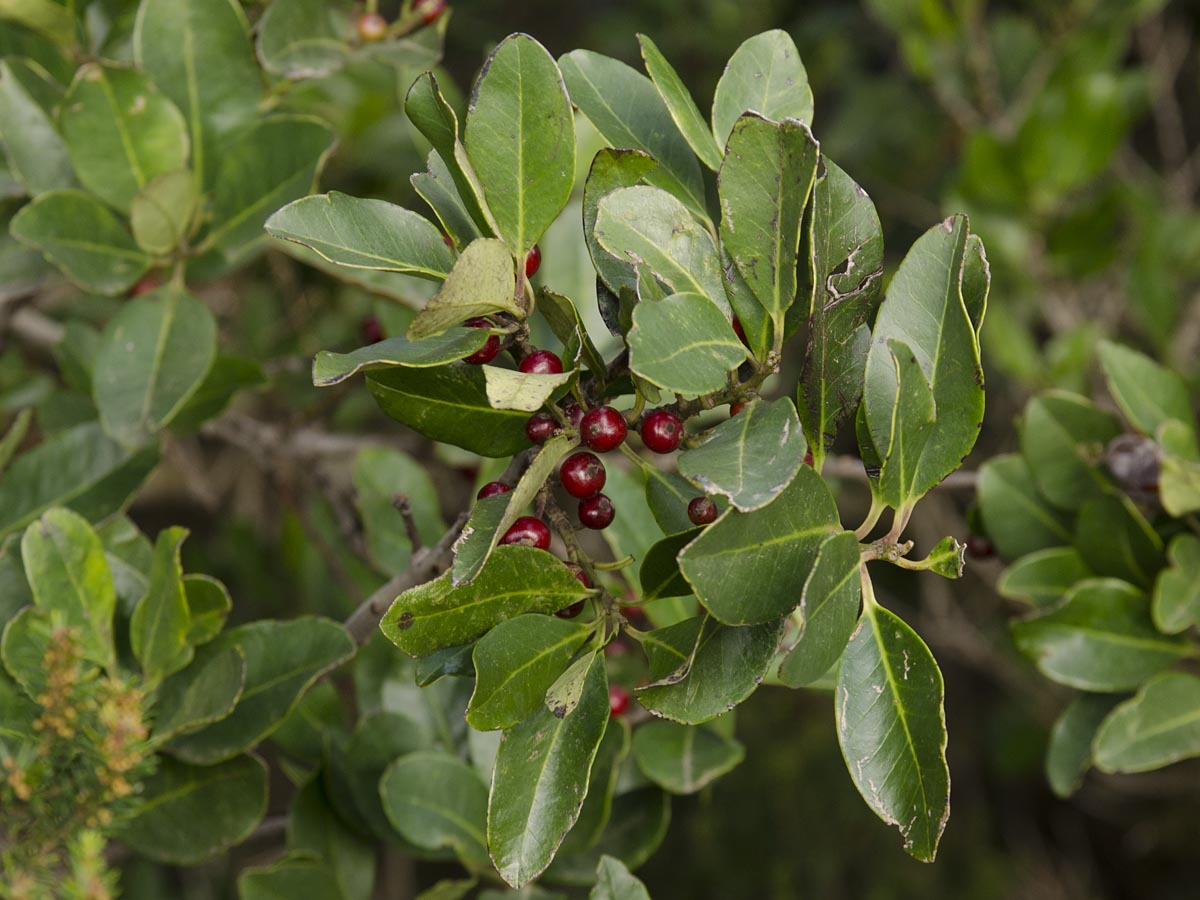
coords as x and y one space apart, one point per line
370 330
583 475
979 546
603 429
580 575
541 427
488 351
662 431
533 261
145 285
808 457
493 489
618 699
429 10
541 362
372 27
596 512
633 612
735 408
528 531
570 612
738 330
702 511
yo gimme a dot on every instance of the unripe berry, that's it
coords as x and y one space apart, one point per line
603 429
429 10
372 27
662 431
533 261
702 511
370 330
541 427
583 475
618 700
488 351
597 512
493 489
528 531
541 362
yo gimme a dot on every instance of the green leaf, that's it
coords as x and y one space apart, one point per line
614 882
481 283
668 496
159 628
204 692
155 353
1179 481
900 414
773 548
121 132
228 375
1016 517
602 785
272 163
283 659
684 344
437 188
563 317
625 108
1176 604
749 458
364 234
356 768
540 779
515 580
634 531
1148 394
764 186
435 800
520 137
333 368
492 516
161 212
450 404
198 53
846 265
70 579
521 391
1100 639
303 38
892 728
1157 727
1114 539
380 476
295 875
829 604
1043 577
683 759
562 697
764 75
638 824
642 225
659 573
36 152
611 169
1063 437
516 663
680 104
1069 755
453 662
209 604
23 647
188 814
947 558
83 238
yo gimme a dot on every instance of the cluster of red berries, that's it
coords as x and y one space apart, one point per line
543 364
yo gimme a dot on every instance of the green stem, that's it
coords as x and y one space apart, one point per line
873 514
868 590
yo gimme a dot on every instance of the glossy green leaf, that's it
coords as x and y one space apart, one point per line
892 728
161 212
481 283
522 391
773 548
155 353
209 604
900 413
1147 393
83 238
202 693
187 814
829 605
611 169
563 696
303 38
749 458
1114 539
683 759
1100 639
947 558
364 234
36 152
520 137
668 496
602 785
380 476
516 663
515 580
687 116
121 132
1176 604
563 317
158 631
1016 517
1157 727
764 75
1063 437
540 780
436 187
283 659
1069 755
1043 577
684 344
614 882
660 575
333 368
315 827
435 800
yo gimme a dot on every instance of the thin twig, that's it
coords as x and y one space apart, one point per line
404 507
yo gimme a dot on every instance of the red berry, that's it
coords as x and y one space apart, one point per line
370 330
541 362
603 429
618 699
570 612
702 511
808 457
662 431
615 648
739 331
574 413
528 531
493 489
583 475
633 612
979 546
735 408
145 285
488 351
533 261
372 27
429 10
597 512
580 575
541 427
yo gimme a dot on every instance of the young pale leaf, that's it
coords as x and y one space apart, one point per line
540 780
1100 639
155 353
602 785
209 604
680 104
1176 604
204 692
1017 518
516 579
516 663
1069 755
625 108
773 548
83 238
198 53
829 604
36 152
121 132
764 186
315 827
1115 539
159 628
522 391
751 457
482 282
436 187
614 882
435 800
303 38
520 138
161 212
764 75
612 169
1159 726
333 368
684 759
380 476
892 728
188 814
1063 437
1148 394
1043 577
684 344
